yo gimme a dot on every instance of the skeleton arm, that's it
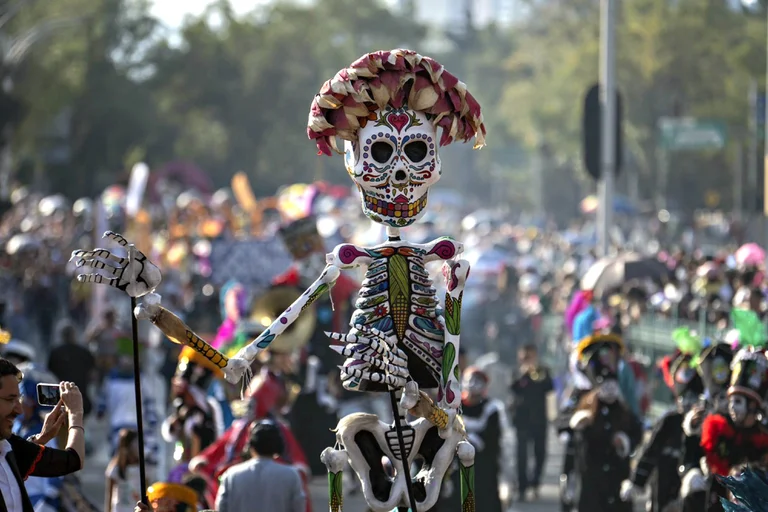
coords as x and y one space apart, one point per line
137 276
176 330
449 397
243 359
455 273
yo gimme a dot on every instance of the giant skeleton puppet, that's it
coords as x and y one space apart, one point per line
387 107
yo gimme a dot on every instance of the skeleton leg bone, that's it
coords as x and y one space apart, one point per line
466 454
335 460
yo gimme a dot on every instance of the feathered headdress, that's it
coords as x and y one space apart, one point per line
686 341
584 334
396 78
579 303
584 323
688 348
752 331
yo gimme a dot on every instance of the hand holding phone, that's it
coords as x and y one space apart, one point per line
48 394
52 424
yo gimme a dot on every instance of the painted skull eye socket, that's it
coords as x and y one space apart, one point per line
416 151
381 152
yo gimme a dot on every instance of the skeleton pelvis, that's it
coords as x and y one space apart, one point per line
368 441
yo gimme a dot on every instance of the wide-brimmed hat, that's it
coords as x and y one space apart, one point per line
749 376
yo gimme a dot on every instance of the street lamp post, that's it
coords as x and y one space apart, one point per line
608 121
765 134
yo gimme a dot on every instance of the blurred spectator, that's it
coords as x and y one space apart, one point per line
123 474
16 320
102 335
73 362
276 487
118 403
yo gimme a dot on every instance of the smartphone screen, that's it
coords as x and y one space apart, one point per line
48 394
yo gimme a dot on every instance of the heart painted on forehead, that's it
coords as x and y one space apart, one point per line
398 121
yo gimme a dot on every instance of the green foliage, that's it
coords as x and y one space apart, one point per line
688 57
237 98
235 95
231 97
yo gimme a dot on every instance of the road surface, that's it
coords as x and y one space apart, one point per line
92 479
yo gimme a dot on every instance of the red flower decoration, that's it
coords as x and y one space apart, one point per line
717 434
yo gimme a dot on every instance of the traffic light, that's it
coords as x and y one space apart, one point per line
591 134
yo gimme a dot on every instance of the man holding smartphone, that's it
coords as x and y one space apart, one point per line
20 458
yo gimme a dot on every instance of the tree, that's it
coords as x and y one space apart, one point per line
80 78
690 57
237 97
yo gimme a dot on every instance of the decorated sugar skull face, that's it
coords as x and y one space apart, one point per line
394 162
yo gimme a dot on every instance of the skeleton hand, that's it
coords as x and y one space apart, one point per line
134 275
373 356
410 396
421 405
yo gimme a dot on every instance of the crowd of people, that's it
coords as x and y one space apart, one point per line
523 273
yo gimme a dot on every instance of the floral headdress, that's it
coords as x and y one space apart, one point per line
396 78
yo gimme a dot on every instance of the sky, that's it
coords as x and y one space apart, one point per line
173 12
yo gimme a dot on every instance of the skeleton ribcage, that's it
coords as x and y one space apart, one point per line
397 298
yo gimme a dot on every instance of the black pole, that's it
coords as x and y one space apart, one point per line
137 392
403 454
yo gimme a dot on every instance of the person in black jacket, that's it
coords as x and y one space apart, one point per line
71 361
605 429
22 458
529 393
486 422
661 458
715 370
